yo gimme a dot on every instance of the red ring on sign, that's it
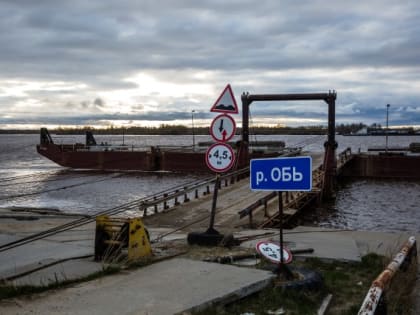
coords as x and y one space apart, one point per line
289 253
233 131
217 170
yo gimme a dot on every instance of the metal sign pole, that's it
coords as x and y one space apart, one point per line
282 268
210 237
213 206
281 228
219 158
279 175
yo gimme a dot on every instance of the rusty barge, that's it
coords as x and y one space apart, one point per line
90 155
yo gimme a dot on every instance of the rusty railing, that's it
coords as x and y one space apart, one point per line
407 253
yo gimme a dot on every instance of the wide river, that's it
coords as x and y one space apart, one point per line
32 181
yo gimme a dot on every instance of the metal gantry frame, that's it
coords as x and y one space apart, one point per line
330 163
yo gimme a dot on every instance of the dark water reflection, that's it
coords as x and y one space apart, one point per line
380 205
84 191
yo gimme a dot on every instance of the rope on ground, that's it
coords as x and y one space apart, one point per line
56 262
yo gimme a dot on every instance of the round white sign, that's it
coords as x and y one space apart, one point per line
223 128
271 251
220 157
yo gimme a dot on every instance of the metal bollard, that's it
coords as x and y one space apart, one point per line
156 206
144 209
176 203
250 219
165 203
186 198
265 209
207 190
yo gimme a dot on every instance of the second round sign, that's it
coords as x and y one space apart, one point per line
220 157
271 251
223 128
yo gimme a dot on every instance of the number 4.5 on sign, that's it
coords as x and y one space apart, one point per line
220 157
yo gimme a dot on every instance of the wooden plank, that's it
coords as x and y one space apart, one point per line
324 306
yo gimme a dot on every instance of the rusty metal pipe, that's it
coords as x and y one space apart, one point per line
381 283
288 97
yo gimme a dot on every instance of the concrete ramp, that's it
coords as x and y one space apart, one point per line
168 287
327 244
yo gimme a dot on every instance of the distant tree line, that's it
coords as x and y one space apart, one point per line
166 129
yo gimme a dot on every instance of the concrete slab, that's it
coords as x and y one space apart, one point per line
19 259
168 287
60 272
336 244
382 243
326 245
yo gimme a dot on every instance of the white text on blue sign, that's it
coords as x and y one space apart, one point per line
281 174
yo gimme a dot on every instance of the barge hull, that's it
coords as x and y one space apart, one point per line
383 166
101 160
131 158
77 156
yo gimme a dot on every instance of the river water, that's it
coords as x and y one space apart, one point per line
32 181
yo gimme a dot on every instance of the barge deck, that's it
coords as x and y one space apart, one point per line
155 158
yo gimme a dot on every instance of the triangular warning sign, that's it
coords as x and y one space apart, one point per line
226 102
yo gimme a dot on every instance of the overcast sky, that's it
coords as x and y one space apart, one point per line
97 62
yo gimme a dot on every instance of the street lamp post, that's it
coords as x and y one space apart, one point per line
192 125
386 131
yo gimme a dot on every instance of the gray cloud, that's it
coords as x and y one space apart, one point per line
88 119
87 50
99 102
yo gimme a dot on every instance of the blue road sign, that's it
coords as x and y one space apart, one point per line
281 174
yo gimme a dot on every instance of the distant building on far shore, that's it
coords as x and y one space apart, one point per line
390 131
379 131
362 132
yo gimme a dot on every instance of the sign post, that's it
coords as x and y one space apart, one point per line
281 174
219 158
